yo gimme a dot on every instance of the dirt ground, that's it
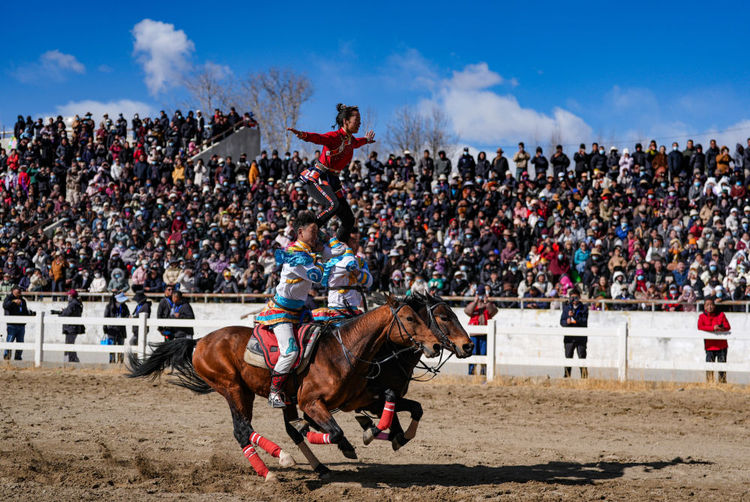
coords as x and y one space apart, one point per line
77 434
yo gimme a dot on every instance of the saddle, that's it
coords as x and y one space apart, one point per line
262 349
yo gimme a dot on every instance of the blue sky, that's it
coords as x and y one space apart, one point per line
503 72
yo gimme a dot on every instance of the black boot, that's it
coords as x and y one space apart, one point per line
276 397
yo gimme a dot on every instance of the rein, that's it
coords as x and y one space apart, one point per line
416 346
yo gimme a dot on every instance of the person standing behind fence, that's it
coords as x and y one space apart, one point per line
713 321
74 308
15 305
143 306
164 311
575 315
117 309
181 309
480 311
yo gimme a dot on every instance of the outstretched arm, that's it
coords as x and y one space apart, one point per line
327 139
369 138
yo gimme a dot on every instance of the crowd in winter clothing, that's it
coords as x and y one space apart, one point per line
140 214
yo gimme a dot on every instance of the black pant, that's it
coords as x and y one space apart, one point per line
72 356
575 343
718 356
327 192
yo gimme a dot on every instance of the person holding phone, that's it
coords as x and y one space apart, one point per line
480 310
575 314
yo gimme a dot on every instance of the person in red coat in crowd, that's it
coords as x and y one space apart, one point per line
716 349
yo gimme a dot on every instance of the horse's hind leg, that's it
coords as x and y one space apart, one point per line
242 431
320 414
290 414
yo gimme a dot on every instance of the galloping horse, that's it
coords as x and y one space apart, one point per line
334 379
395 367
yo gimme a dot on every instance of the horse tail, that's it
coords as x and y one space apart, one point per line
177 354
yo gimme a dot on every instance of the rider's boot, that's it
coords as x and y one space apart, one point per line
276 397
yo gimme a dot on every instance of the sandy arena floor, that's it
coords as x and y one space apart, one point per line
95 435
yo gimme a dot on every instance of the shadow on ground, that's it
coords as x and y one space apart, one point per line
563 473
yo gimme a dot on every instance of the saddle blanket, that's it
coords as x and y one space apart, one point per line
262 349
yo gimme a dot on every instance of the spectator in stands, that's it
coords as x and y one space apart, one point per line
575 314
116 308
713 321
480 310
15 305
143 306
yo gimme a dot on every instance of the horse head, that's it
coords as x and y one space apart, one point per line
444 323
409 328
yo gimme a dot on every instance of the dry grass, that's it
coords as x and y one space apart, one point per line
587 384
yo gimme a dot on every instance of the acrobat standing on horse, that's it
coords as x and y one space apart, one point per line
300 269
346 276
322 178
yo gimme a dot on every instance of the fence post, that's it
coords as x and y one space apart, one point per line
39 341
491 332
622 352
142 334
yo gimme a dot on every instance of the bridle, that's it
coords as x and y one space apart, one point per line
415 345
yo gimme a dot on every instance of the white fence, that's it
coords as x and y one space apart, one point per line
500 336
505 343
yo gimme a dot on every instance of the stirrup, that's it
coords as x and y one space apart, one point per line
276 400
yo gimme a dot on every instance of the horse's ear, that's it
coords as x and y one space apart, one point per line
390 300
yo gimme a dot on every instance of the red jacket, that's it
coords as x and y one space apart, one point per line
338 148
706 322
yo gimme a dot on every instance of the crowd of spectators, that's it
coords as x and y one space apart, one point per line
140 214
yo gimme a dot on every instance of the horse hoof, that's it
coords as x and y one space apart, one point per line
398 441
271 478
352 454
368 436
323 471
286 460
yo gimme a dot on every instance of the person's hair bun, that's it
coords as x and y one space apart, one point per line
340 107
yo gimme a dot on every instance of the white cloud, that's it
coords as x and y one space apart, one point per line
481 115
219 71
51 66
98 108
164 53
474 76
105 68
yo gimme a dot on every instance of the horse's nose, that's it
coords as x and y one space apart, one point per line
436 348
468 348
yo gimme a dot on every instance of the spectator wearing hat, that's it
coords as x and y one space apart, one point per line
164 311
74 308
15 305
116 308
500 165
575 314
713 321
142 306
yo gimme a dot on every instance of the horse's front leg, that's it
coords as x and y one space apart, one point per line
334 434
416 412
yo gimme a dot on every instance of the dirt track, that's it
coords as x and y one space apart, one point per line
94 435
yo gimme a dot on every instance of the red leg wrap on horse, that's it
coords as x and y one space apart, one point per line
255 461
268 446
318 438
387 417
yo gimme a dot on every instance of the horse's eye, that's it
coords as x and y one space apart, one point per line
410 319
444 318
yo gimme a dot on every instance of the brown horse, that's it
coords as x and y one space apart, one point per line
394 372
334 379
